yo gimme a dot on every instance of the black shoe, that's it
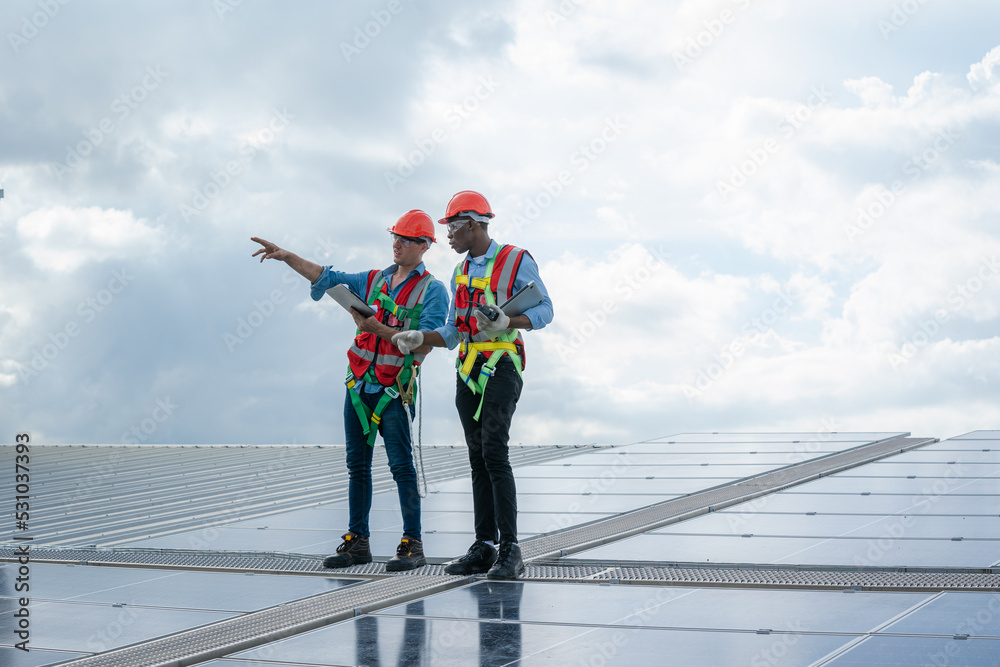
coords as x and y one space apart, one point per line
409 556
509 564
476 560
353 551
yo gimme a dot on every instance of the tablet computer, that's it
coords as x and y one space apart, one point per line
343 295
527 297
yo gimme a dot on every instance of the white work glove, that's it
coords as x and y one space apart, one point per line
408 341
487 325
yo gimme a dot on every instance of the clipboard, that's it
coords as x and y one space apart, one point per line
343 295
527 297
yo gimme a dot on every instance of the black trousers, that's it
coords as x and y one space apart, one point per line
494 496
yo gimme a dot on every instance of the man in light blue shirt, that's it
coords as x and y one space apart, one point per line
405 297
491 358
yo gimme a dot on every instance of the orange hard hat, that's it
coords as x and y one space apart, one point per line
467 204
414 224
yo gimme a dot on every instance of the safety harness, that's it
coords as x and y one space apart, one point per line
379 361
472 344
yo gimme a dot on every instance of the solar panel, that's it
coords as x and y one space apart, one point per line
927 510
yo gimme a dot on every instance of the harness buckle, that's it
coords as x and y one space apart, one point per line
406 394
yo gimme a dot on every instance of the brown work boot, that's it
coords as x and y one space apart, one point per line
353 551
409 556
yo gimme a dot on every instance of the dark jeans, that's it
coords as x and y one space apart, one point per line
395 433
494 496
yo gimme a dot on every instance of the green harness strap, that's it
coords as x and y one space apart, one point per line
370 419
385 301
501 345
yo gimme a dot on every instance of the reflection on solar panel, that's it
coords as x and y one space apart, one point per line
694 549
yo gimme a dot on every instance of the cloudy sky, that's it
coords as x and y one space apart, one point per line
751 215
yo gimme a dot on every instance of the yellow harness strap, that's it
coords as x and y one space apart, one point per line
472 350
474 283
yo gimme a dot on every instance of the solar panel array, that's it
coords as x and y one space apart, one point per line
172 535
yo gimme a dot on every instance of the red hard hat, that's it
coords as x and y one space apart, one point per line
414 224
468 204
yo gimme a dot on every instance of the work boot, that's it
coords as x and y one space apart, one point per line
353 551
509 564
476 560
409 556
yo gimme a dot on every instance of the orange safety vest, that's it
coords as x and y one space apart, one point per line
369 352
492 289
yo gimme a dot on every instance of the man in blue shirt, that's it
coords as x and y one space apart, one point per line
491 358
404 296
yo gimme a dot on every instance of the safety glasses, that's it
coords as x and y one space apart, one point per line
405 240
456 225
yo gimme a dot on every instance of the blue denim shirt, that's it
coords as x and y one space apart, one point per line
431 317
539 315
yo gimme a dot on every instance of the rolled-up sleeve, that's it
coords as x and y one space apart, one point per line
541 314
435 307
448 331
357 282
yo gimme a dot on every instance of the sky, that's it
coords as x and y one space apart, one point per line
751 215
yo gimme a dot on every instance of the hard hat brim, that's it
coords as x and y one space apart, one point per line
392 230
471 215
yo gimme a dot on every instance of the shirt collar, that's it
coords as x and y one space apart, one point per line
483 258
390 271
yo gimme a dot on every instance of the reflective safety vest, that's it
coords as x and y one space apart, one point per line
494 288
379 361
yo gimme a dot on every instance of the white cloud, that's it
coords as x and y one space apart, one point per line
872 91
8 374
841 112
814 294
982 74
62 239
